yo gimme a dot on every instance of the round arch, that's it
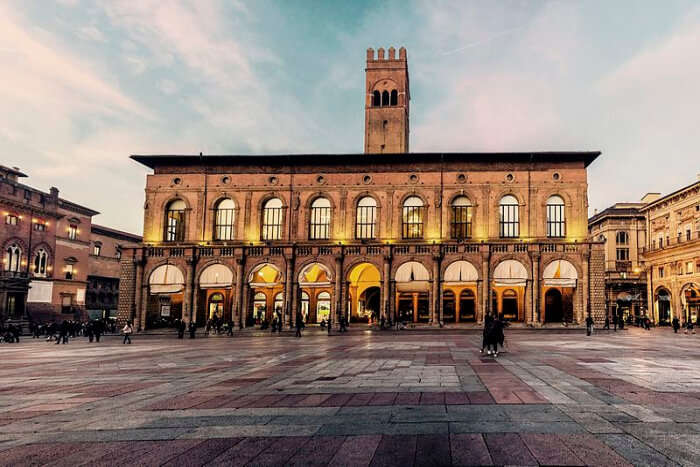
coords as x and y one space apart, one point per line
315 274
560 273
510 272
216 276
265 275
166 279
460 271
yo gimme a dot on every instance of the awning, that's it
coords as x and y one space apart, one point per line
216 276
412 277
166 279
460 272
510 273
560 273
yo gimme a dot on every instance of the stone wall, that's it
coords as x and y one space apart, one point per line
127 289
597 273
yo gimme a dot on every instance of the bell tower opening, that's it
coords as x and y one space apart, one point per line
386 102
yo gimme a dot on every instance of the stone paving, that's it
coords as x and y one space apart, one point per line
625 398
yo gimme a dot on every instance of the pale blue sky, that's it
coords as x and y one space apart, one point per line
86 83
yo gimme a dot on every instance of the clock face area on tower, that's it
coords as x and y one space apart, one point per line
386 106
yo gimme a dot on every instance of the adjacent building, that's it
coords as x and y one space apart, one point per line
47 252
433 238
622 229
672 254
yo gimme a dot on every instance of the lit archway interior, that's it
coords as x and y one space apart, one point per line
316 283
559 280
459 292
363 293
508 291
166 284
413 293
266 291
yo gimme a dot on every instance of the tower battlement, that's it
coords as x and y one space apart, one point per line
381 56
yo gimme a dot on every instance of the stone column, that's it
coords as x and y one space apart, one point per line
486 286
386 287
288 289
536 316
136 316
338 290
243 315
188 299
436 309
583 313
238 299
651 309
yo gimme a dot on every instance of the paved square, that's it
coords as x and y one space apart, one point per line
410 398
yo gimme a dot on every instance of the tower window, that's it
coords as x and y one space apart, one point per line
385 98
394 97
376 99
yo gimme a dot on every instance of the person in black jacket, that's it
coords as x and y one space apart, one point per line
181 329
299 325
589 325
488 321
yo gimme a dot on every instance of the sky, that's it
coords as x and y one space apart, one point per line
85 84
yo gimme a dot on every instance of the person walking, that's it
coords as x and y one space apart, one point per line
89 333
607 323
127 330
192 329
488 321
181 329
676 325
299 325
589 325
98 329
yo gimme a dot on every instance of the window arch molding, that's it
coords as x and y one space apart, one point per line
12 255
270 195
384 84
319 224
562 194
224 217
16 240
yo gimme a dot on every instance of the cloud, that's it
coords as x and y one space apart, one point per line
90 33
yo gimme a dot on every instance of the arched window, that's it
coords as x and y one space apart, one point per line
366 218
509 217
376 99
556 222
259 307
461 218
272 220
323 306
622 241
13 257
394 97
41 259
279 303
320 220
304 306
412 218
175 221
223 220
385 98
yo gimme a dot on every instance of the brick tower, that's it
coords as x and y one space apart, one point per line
386 102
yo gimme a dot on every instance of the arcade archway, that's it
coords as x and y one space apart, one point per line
559 280
690 300
363 293
663 306
215 294
413 293
508 290
460 291
266 284
315 281
166 285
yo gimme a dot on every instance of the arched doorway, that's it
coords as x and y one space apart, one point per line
467 306
215 291
215 308
315 281
412 293
508 292
364 282
663 306
304 309
265 282
449 307
166 284
553 306
690 299
562 276
323 307
461 278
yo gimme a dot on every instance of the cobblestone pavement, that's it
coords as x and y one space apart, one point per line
623 398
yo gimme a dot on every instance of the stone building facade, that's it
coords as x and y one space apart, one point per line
106 245
622 228
418 237
46 245
672 254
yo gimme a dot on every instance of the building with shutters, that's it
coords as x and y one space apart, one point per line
429 238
